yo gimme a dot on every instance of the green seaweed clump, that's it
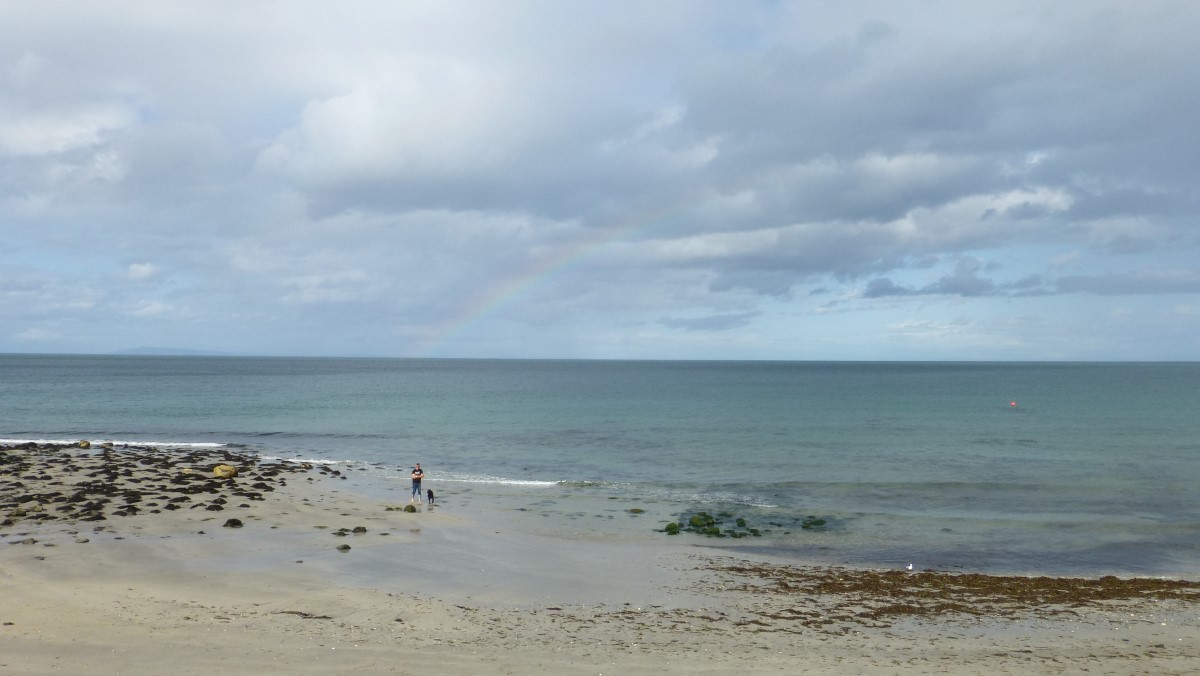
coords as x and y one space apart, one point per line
703 523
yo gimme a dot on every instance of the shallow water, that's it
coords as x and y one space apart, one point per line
1092 470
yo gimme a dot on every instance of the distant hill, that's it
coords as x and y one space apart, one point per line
170 351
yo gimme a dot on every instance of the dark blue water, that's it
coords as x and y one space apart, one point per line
1094 469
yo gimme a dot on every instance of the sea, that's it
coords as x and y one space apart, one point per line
1001 467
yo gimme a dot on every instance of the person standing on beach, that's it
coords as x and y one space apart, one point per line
417 475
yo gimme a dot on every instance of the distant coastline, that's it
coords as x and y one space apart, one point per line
171 352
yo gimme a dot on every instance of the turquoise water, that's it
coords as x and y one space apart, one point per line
1095 469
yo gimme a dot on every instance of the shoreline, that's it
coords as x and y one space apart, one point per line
457 589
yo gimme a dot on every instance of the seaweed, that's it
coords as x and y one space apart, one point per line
727 524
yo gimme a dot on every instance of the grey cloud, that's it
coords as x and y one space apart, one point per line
883 287
984 103
965 281
1030 285
1128 244
776 283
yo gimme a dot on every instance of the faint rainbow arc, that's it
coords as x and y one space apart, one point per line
497 295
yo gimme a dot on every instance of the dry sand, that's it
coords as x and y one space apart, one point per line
449 591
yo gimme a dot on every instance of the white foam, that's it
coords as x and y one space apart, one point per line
312 461
487 479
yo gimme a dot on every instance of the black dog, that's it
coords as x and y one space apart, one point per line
429 495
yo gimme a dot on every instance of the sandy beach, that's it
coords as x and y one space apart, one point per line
127 560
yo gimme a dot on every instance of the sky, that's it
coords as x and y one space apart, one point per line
891 180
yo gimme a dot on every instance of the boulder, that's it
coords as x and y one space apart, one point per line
224 472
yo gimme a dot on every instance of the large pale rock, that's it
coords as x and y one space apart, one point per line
225 471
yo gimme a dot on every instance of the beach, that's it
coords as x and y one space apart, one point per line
459 588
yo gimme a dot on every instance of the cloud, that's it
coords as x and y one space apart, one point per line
1133 283
516 177
965 281
883 287
151 308
141 271
712 323
327 287
60 131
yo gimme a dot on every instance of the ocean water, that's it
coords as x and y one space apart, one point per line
1059 468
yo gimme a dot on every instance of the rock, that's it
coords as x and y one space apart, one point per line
360 529
233 523
85 444
343 548
224 472
410 508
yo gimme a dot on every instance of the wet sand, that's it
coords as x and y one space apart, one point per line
124 560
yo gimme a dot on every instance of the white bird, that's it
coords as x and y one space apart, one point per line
909 566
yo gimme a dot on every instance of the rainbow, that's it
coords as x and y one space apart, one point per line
491 299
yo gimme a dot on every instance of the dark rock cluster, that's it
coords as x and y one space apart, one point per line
78 482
